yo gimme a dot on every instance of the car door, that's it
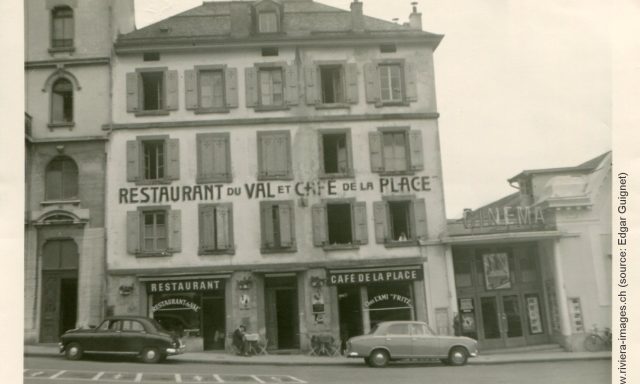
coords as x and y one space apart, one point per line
104 338
398 340
132 337
424 342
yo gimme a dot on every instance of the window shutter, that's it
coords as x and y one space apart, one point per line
133 158
415 150
132 92
251 86
311 90
380 220
175 230
375 151
319 218
191 89
207 227
213 157
360 222
267 225
420 215
291 82
223 219
352 83
172 90
231 87
173 156
410 80
372 82
286 225
133 232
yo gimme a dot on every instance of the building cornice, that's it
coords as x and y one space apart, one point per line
502 237
33 140
273 120
57 63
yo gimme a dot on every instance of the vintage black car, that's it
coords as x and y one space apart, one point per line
124 335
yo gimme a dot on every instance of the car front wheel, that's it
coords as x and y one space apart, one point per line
378 358
73 351
151 355
458 356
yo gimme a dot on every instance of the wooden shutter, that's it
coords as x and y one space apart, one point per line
360 222
319 219
132 92
173 159
231 87
380 220
213 157
207 227
133 232
172 90
415 150
286 225
191 89
375 151
267 225
410 82
251 86
420 214
351 72
291 82
133 160
372 82
311 89
223 220
175 230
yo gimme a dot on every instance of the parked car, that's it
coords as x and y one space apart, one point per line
126 335
395 340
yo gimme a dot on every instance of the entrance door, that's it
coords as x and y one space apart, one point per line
281 302
502 321
213 322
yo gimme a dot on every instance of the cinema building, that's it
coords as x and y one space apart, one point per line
276 163
535 266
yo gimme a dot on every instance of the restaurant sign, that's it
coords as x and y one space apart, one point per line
193 285
373 276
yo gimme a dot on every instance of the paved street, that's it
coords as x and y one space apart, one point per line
55 370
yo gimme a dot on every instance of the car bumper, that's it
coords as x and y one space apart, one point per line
176 351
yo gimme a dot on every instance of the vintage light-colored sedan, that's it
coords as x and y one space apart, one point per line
396 340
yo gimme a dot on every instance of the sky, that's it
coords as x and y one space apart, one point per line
519 85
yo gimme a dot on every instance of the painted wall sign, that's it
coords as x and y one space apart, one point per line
504 216
338 277
176 301
385 297
261 190
194 285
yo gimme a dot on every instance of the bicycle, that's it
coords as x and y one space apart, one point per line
598 342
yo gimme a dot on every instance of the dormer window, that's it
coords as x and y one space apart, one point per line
268 22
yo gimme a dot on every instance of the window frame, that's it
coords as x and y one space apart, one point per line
403 92
412 237
323 174
261 170
61 123
407 149
53 45
259 23
142 161
271 67
231 250
63 182
211 68
269 204
164 110
341 201
341 67
142 211
200 178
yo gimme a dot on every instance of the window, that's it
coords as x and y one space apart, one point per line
216 228
61 180
274 155
268 22
400 221
153 159
271 86
132 326
211 84
332 84
269 51
339 224
398 329
336 153
396 150
214 158
391 82
62 102
154 231
62 27
152 91
211 88
278 229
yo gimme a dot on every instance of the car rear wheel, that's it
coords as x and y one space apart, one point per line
73 351
378 358
458 356
151 355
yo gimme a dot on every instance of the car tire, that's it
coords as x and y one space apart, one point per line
73 351
458 356
150 355
379 358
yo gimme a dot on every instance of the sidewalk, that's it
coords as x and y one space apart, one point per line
502 357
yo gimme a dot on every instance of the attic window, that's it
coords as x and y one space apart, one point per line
151 56
268 22
270 51
387 48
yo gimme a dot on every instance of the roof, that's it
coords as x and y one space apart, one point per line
586 167
212 20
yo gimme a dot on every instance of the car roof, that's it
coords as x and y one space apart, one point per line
122 317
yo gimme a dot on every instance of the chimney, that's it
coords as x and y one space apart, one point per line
357 19
415 18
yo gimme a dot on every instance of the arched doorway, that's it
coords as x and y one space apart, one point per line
59 288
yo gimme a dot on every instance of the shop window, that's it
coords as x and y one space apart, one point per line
400 221
396 151
211 89
274 155
153 159
390 302
390 82
271 86
336 153
332 84
62 28
268 22
214 157
61 179
153 231
152 91
340 224
278 226
62 102
216 228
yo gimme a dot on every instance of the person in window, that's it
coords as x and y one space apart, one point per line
239 341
